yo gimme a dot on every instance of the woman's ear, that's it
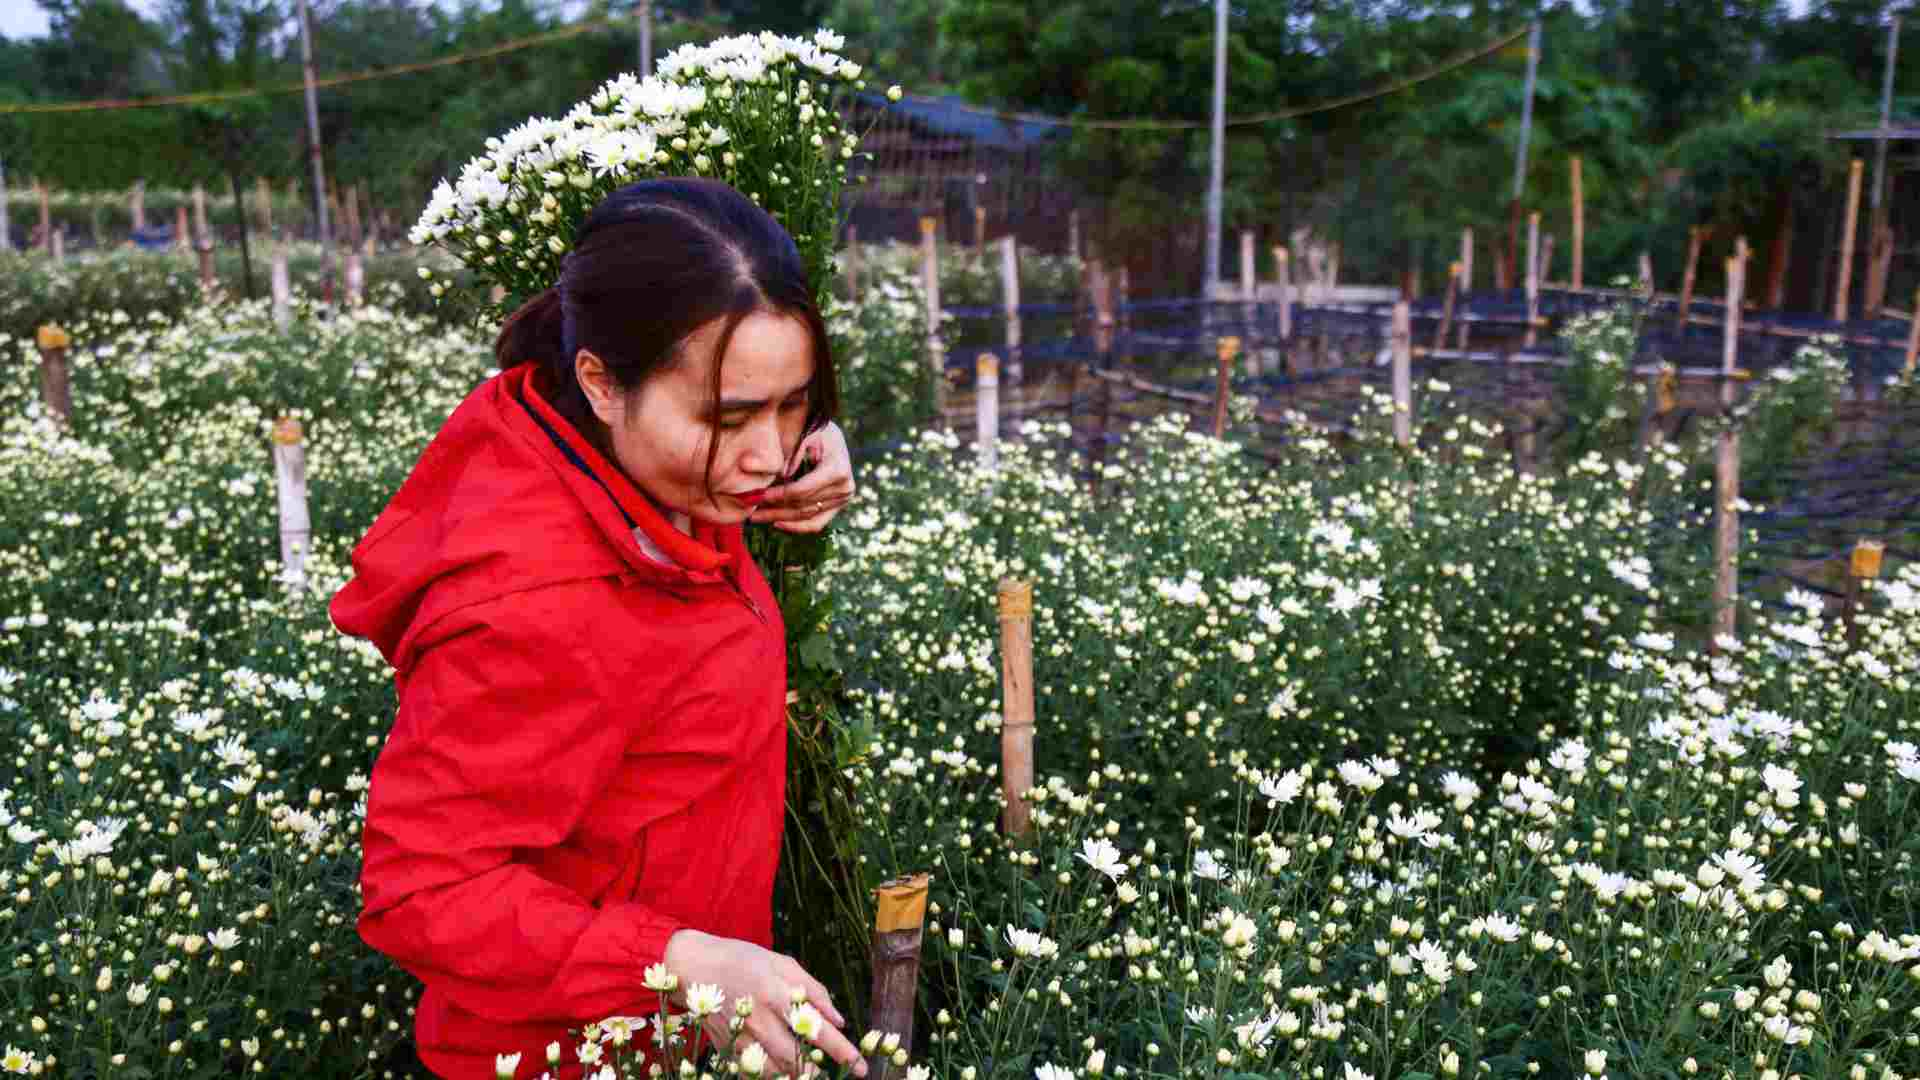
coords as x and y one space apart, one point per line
596 382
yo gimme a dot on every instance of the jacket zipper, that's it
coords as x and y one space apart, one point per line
751 605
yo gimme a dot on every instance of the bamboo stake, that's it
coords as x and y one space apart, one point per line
1579 226
1284 273
1103 323
57 243
290 483
1016 682
986 409
980 231
55 392
282 286
1545 273
1863 564
1913 338
1726 533
1646 276
899 926
356 275
930 284
1010 299
1879 261
1446 307
1466 282
1403 374
137 205
1333 272
1696 235
182 237
46 216
1225 351
1533 275
1851 222
263 194
1249 288
1073 233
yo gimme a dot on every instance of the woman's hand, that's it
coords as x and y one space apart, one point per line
742 969
806 505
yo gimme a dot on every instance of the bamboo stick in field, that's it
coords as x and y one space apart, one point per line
1249 287
1402 373
1850 224
1225 351
1284 275
1533 275
1879 260
986 408
1913 337
1545 273
930 284
356 275
1010 299
1016 706
290 484
980 231
137 205
46 216
182 237
1466 282
1726 533
899 927
1863 564
55 392
57 246
1579 227
282 286
1696 235
263 194
1446 307
1646 276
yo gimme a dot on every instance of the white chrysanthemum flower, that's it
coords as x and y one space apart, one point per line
1100 853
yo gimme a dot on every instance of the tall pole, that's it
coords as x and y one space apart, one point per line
645 11
1886 114
1526 111
6 238
1217 165
313 145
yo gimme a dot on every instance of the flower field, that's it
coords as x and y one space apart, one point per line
1370 763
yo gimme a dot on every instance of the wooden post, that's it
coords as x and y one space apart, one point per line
1913 338
46 217
263 194
899 926
1446 307
290 483
1073 233
282 289
1249 287
1646 276
1466 283
55 392
1333 272
853 264
930 284
1659 402
1010 301
1726 533
1862 565
1402 345
352 197
1579 226
1850 224
200 229
1696 235
1283 272
980 232
137 205
1879 261
182 235
356 276
57 245
1101 293
1226 350
1016 709
1545 273
986 408
1533 275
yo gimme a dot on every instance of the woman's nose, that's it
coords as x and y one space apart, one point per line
765 452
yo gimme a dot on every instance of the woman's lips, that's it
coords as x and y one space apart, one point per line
752 497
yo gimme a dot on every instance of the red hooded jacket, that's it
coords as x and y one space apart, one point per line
590 750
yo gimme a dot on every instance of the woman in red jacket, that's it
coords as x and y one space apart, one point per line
586 775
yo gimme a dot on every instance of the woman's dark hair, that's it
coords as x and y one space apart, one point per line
655 261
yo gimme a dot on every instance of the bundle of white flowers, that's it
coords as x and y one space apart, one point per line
758 111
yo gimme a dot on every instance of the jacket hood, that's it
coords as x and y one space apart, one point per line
510 497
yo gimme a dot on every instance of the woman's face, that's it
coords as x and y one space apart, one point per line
661 432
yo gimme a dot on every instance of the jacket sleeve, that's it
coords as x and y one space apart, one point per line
501 744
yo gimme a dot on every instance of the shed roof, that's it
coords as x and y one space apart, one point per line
952 116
